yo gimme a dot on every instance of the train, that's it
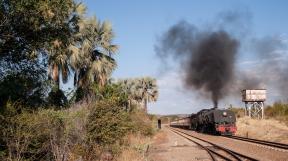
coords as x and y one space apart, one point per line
211 121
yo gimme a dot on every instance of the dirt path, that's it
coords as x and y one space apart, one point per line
168 146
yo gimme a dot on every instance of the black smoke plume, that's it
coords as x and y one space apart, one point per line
206 57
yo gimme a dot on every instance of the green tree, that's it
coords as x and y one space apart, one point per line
28 87
29 27
32 31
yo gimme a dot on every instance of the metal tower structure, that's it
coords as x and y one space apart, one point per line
254 102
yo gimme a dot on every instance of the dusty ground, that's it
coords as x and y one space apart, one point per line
267 129
168 146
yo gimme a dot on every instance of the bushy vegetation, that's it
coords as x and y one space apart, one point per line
86 130
45 134
278 110
107 122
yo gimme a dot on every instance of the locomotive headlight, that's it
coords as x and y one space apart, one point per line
224 113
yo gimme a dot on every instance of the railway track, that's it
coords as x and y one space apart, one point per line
261 142
216 152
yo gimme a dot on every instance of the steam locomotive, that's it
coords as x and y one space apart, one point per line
213 121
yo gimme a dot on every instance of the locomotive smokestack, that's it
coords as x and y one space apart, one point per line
207 57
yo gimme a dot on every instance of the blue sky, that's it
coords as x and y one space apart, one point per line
138 24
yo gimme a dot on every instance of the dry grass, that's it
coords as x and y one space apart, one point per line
160 137
267 129
137 149
130 154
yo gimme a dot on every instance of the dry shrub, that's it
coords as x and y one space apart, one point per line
86 131
45 134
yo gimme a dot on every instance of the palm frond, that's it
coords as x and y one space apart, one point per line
80 9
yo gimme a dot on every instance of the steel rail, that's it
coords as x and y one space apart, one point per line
222 156
232 153
202 146
209 149
262 142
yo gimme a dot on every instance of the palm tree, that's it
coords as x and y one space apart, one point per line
91 55
58 61
140 90
129 88
102 68
148 90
